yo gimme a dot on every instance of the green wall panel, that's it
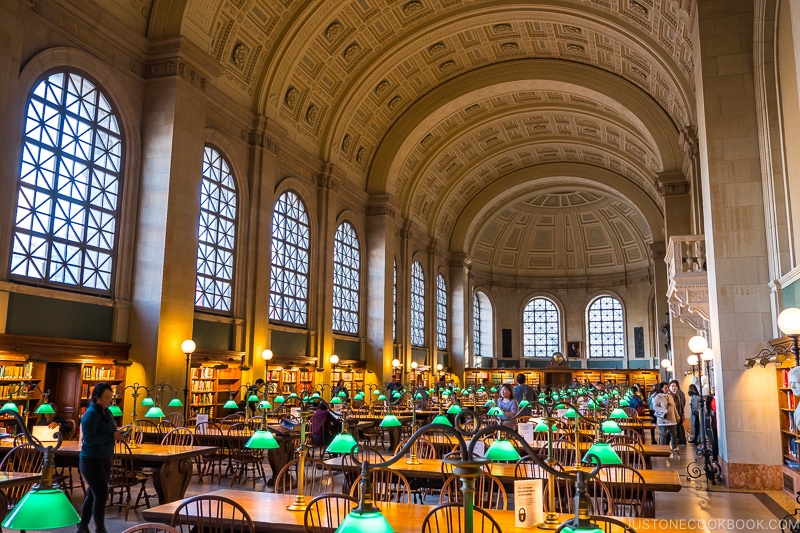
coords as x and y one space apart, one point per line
347 349
49 317
212 335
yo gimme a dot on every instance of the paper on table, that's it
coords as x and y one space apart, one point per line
528 502
526 430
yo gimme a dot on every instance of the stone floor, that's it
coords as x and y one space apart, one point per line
695 508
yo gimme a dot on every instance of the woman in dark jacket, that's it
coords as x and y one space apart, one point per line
694 409
98 434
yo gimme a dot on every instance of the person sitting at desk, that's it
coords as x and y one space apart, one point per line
506 401
56 422
340 387
324 426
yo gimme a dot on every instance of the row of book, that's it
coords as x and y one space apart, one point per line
204 398
86 390
99 373
204 372
202 386
23 371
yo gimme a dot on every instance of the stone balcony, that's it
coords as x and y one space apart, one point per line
687 289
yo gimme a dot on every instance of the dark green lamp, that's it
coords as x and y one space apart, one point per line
230 404
523 404
175 402
396 395
541 426
315 395
336 400
382 398
262 439
10 406
605 452
154 412
618 414
253 398
293 395
571 413
454 409
114 410
502 450
44 409
359 397
342 443
390 421
376 392
495 411
264 405
442 421
493 390
342 394
418 396
489 403
279 398
148 401
624 403
610 427
358 522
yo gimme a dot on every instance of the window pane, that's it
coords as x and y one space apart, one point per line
605 324
346 264
476 326
288 298
540 334
68 195
441 313
394 300
417 305
217 234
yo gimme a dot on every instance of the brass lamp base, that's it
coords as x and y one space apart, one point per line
551 521
299 504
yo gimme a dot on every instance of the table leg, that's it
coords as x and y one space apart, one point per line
172 478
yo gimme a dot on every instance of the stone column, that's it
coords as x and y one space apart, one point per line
750 444
173 134
379 261
460 314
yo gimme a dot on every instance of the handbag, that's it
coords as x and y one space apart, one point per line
660 412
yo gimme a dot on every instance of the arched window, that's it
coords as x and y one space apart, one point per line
605 324
441 313
417 305
69 186
288 298
482 320
394 300
541 334
216 233
346 279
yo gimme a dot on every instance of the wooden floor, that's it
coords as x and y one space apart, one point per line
700 510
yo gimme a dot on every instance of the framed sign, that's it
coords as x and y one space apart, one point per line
574 349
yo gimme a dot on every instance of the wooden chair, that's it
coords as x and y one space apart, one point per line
352 469
176 419
448 518
631 456
123 476
212 436
489 492
244 462
425 449
325 513
151 432
526 468
151 527
600 500
136 437
563 452
20 458
628 490
622 438
178 437
387 486
212 514
318 478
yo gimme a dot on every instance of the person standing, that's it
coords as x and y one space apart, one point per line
523 392
680 405
694 409
98 433
666 417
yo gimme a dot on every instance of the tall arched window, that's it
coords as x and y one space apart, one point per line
346 279
69 186
605 323
216 233
288 298
441 313
417 305
482 321
394 300
541 332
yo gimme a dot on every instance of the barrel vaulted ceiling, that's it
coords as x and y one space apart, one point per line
528 134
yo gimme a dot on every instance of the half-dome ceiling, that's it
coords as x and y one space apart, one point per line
563 234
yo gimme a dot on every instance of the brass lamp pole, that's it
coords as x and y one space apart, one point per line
300 503
187 347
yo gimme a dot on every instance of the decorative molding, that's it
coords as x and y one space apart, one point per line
177 67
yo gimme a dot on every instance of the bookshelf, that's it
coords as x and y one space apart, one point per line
18 379
789 435
288 374
202 391
496 377
228 383
353 378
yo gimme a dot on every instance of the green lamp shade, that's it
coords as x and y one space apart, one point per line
591 404
502 450
147 401
495 411
382 398
231 404
10 406
359 397
418 396
376 391
342 443
541 426
624 403
336 400
114 410
442 421
454 409
253 398
396 395
305 397
431 391
618 413
265 405
262 439
605 452
481 389
293 395
44 409
571 413
588 528
42 509
154 412
524 403
175 402
279 399
489 403
555 396
446 393
313 396
609 427
493 390
342 394
390 421
372 522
